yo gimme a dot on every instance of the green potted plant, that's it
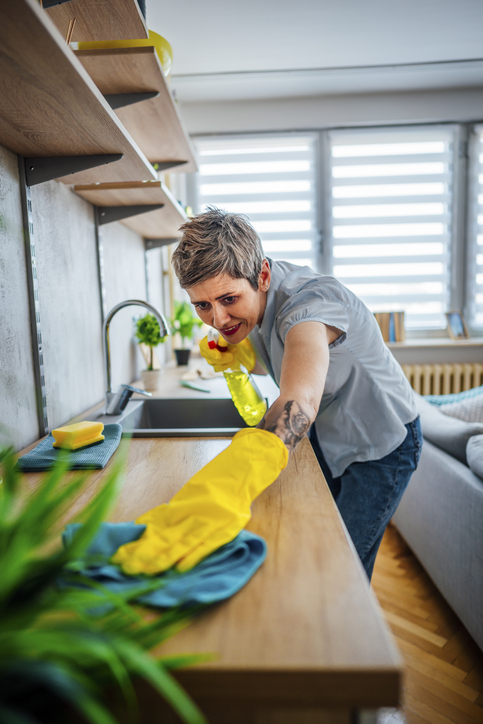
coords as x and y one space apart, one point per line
148 332
183 324
69 653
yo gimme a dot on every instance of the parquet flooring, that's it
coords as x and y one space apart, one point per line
443 665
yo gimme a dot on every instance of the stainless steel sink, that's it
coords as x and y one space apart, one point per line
172 417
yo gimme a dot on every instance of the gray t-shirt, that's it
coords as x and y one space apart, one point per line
367 399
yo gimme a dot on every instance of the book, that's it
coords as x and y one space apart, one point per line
391 325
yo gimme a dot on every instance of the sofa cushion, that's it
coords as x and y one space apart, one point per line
467 405
474 454
447 433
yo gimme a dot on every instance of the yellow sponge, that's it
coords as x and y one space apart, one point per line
80 434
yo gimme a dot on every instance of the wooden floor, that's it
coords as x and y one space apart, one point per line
443 665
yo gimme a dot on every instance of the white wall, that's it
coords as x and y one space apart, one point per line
333 111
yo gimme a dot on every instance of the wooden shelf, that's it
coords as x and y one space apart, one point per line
160 224
95 20
49 105
154 124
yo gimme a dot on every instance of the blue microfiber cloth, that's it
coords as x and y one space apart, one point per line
217 577
96 456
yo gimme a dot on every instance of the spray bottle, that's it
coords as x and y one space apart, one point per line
245 394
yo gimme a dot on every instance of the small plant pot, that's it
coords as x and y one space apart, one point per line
182 356
151 379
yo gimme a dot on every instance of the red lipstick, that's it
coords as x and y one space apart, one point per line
230 331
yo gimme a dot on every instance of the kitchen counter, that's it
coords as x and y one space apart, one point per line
304 642
306 632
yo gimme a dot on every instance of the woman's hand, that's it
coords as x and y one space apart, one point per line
304 371
233 355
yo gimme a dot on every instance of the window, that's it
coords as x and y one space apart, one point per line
269 178
382 209
389 219
475 231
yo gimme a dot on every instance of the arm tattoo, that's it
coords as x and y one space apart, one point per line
290 426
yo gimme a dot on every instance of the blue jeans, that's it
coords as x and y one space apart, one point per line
368 493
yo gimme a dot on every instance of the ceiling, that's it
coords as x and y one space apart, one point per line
228 50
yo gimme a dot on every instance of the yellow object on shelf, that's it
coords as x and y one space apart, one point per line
80 434
163 48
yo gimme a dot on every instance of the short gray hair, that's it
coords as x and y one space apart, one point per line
218 242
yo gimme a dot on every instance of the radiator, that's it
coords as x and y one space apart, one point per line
443 379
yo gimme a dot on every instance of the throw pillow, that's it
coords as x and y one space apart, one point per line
474 454
467 405
470 410
447 433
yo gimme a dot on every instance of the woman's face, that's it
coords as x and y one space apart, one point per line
231 306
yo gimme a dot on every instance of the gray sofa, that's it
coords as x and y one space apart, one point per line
441 513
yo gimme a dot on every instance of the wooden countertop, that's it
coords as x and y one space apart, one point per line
307 627
305 640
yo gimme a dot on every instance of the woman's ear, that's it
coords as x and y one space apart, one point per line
264 277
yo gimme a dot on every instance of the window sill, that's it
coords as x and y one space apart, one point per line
436 342
437 350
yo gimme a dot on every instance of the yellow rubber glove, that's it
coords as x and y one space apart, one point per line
232 356
210 510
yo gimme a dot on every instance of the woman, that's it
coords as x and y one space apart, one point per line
338 381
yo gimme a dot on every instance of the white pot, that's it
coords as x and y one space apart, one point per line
151 379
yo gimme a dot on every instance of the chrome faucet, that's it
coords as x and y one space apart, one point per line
116 402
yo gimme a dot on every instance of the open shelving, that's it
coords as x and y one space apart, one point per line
49 105
159 224
56 109
154 124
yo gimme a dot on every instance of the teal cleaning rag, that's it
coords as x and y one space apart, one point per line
94 457
219 576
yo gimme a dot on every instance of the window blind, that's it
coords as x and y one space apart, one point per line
475 231
390 219
270 179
